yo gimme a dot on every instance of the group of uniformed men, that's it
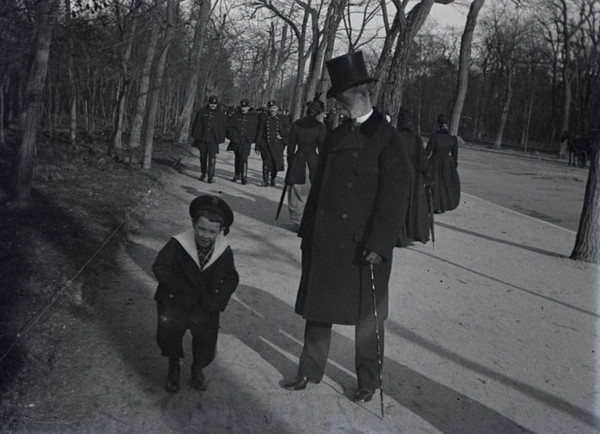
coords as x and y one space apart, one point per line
268 130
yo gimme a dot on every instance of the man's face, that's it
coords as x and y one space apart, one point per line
206 232
273 110
245 109
347 101
213 106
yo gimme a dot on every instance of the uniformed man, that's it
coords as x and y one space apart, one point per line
241 131
351 223
271 139
208 131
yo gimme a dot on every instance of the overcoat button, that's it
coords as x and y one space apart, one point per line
349 185
344 216
170 295
355 154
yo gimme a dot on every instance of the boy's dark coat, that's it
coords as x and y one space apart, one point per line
181 282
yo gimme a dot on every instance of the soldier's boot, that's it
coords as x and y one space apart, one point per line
203 164
237 174
172 384
244 173
212 161
265 182
273 176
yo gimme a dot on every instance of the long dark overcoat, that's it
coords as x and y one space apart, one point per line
416 223
306 138
356 203
241 131
270 147
208 129
442 150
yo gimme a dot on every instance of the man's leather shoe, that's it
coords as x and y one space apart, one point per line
172 384
198 381
363 395
298 383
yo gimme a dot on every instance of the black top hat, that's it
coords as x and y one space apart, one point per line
214 204
244 102
271 103
347 71
213 99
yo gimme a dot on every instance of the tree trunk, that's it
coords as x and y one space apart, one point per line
157 85
505 109
144 85
192 84
389 98
70 67
587 242
463 65
128 37
34 95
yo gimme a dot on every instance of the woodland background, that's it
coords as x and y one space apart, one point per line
513 73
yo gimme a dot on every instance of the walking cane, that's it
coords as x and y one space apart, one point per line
379 362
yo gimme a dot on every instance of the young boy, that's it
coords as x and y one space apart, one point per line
196 277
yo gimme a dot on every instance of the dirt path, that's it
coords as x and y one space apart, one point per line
494 330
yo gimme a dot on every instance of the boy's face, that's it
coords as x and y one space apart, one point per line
206 232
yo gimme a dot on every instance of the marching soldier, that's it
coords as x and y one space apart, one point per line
271 139
241 131
208 131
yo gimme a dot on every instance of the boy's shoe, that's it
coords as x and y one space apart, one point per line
172 384
198 380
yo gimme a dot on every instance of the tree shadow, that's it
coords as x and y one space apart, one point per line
498 240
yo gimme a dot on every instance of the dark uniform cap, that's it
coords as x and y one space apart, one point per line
271 103
213 99
346 72
245 102
214 204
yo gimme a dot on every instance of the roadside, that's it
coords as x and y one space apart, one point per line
493 330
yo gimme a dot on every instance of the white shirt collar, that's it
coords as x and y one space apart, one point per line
363 118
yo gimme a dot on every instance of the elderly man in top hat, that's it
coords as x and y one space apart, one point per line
208 131
241 131
349 228
273 130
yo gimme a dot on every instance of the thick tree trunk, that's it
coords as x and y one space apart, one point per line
157 85
463 65
34 95
587 242
140 107
183 130
389 98
71 69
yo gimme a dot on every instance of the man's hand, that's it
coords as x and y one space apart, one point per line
372 257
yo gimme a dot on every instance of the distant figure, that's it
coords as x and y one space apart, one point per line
306 137
564 146
196 277
241 132
208 131
416 223
273 131
442 151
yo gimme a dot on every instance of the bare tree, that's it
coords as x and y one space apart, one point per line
464 64
157 83
34 94
202 17
144 81
391 68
